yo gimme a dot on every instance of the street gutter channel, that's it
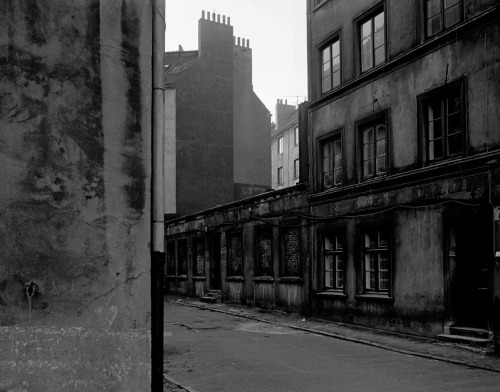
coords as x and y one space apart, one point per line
341 337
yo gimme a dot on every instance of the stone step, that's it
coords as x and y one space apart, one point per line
213 295
219 292
471 332
469 340
210 300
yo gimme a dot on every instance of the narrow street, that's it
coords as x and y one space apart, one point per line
208 351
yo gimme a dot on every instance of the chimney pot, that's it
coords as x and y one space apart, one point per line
248 43
223 19
239 42
229 21
202 14
286 103
218 18
208 15
234 40
213 16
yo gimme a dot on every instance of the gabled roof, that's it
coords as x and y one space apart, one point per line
176 62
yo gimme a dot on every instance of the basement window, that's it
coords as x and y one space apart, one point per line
234 254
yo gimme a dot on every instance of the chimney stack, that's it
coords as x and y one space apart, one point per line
202 14
223 19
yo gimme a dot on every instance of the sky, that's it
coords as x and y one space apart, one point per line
277 33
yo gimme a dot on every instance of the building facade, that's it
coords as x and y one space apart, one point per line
400 228
285 162
220 128
404 99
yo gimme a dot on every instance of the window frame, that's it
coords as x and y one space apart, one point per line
385 224
441 94
380 118
194 241
296 168
280 176
337 233
331 137
367 15
296 135
280 145
424 18
229 248
259 272
328 42
284 226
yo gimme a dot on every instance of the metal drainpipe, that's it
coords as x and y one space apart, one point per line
157 213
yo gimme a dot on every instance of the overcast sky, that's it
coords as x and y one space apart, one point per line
277 33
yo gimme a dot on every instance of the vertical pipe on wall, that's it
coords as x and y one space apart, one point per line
157 207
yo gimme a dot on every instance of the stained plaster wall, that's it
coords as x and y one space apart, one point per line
75 157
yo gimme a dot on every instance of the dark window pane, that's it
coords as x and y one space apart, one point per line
455 144
452 15
433 7
434 25
336 79
454 124
379 55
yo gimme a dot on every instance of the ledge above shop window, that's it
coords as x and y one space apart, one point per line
198 277
373 298
332 294
182 277
290 279
170 277
235 279
264 279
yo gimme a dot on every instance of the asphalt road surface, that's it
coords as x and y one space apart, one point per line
212 352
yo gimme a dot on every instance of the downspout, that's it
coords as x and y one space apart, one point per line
157 213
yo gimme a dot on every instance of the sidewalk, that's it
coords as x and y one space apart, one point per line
403 343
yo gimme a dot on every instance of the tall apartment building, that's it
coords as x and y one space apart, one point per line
285 164
404 125
217 129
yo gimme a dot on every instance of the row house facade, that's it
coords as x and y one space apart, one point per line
399 183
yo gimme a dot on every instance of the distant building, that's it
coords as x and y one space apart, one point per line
285 163
216 126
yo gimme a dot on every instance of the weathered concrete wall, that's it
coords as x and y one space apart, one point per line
75 157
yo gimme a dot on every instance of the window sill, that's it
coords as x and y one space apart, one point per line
199 277
373 298
170 277
235 279
332 294
264 279
290 279
182 277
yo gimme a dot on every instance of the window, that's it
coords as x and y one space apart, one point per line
280 145
290 242
331 158
182 255
235 254
441 14
376 261
199 256
296 168
374 149
334 262
372 40
330 66
296 136
443 120
280 175
264 243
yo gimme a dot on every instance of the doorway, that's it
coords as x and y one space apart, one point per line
469 266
